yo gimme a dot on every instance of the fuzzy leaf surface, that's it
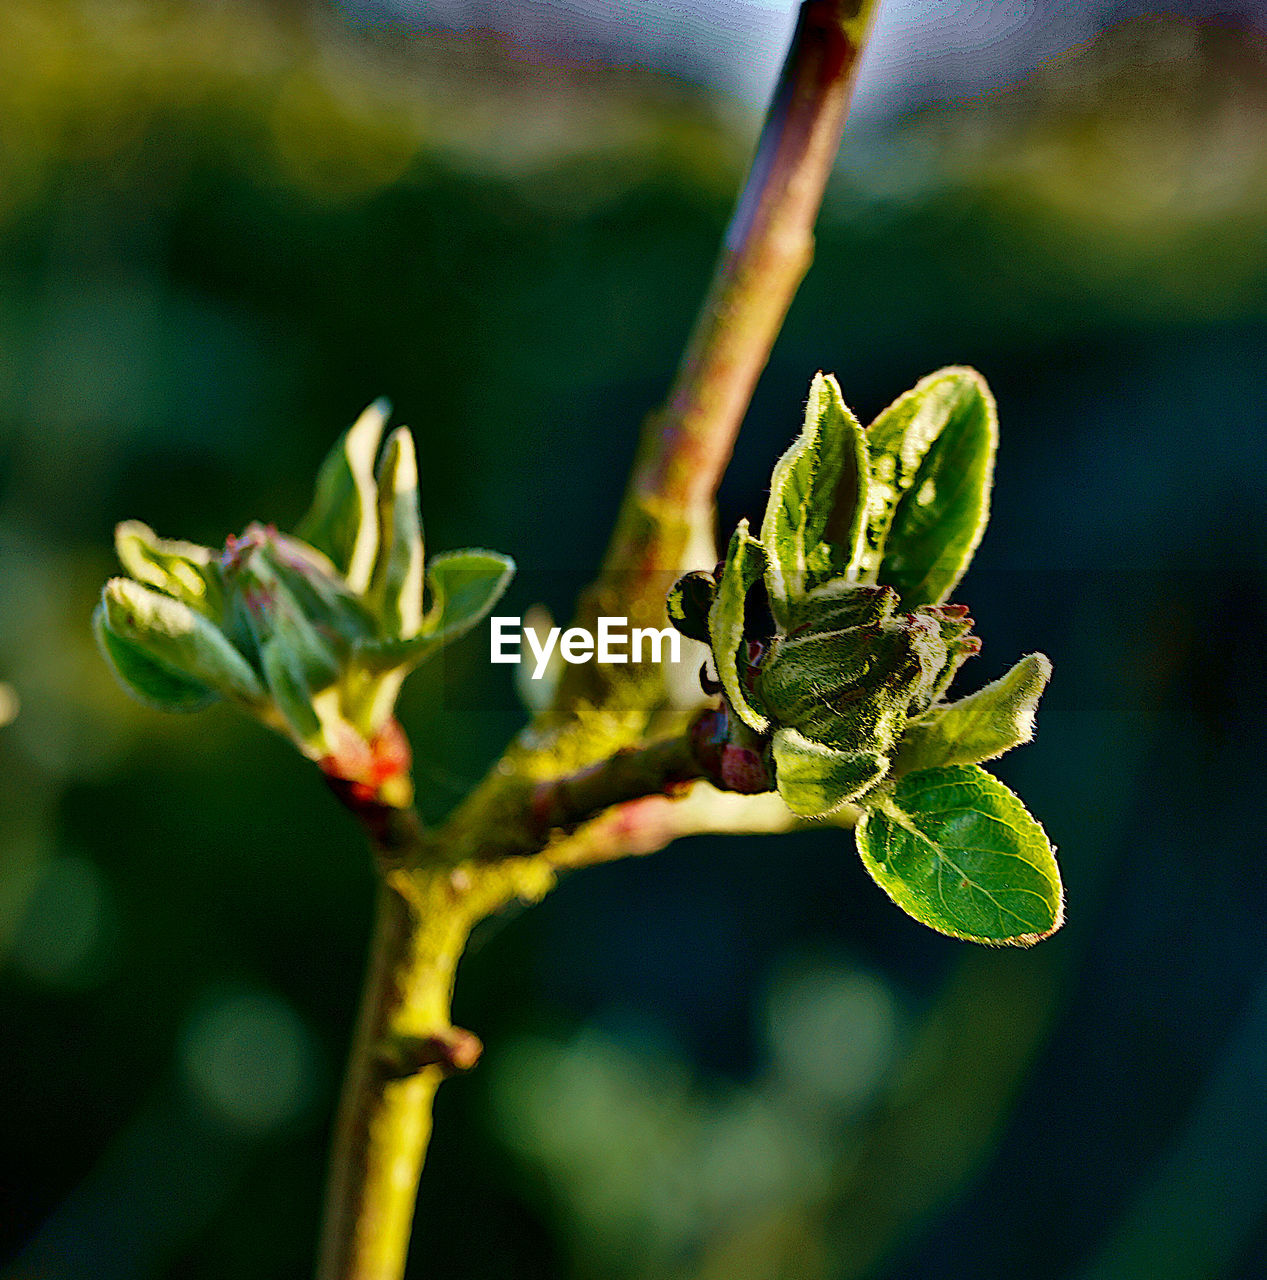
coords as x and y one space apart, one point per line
744 564
815 779
981 726
931 465
815 521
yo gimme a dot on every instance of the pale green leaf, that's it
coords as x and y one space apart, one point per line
308 651
184 570
396 586
954 848
815 521
745 561
343 519
291 693
179 639
464 586
932 465
146 679
815 779
981 726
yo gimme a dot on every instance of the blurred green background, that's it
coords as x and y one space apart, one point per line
224 230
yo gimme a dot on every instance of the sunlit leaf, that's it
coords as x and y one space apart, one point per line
932 464
145 679
957 850
343 519
745 561
396 585
184 570
815 779
815 520
981 726
465 585
178 639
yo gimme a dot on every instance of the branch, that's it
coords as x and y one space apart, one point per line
645 826
384 1120
661 768
511 836
634 803
767 250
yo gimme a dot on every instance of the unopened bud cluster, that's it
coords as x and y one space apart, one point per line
845 682
834 680
854 668
314 634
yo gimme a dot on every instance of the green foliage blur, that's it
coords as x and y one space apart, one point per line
222 234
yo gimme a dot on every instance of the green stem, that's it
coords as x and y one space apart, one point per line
384 1120
405 1043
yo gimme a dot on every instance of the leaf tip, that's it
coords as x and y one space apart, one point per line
398 467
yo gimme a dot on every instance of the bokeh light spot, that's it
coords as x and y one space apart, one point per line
832 1033
249 1059
66 933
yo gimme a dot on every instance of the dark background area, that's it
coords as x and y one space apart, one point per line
223 231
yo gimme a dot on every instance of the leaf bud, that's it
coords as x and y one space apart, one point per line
176 639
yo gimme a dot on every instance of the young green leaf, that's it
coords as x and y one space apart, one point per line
311 582
309 653
343 519
179 640
745 561
291 692
147 680
838 604
396 588
981 726
932 464
814 779
815 521
954 848
804 678
183 570
465 585
854 688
